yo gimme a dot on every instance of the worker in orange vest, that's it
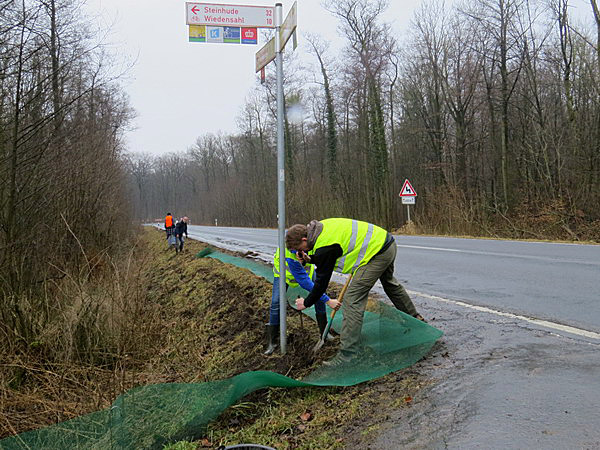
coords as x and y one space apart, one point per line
169 225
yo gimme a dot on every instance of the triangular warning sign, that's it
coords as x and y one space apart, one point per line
407 190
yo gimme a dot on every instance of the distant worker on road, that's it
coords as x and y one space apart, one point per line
354 247
295 274
169 224
180 230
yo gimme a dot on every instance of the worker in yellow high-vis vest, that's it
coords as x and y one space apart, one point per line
354 247
295 275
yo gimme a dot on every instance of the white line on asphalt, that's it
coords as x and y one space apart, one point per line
508 255
539 322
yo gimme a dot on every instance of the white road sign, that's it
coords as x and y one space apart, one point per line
219 15
409 200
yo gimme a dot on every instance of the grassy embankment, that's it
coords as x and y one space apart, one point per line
202 320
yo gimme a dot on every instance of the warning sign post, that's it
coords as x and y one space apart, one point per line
408 196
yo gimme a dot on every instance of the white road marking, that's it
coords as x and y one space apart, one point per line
539 322
508 255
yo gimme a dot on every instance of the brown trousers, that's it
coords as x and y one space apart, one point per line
380 267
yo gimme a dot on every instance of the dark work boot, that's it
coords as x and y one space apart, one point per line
322 323
272 337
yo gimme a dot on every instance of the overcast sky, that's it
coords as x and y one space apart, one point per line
181 90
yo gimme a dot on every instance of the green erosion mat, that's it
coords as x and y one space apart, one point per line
151 416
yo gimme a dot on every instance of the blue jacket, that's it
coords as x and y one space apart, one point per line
302 277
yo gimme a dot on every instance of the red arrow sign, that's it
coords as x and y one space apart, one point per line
195 9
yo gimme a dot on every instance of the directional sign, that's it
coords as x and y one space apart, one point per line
265 55
407 190
230 15
289 26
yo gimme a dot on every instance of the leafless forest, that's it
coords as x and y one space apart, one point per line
64 207
490 108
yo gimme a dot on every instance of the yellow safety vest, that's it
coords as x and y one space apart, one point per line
289 277
360 241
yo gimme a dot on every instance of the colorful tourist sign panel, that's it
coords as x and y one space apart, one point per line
227 35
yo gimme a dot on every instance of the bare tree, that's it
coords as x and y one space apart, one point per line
319 48
61 176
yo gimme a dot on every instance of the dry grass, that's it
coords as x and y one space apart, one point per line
93 328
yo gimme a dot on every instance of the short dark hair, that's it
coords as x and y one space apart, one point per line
294 235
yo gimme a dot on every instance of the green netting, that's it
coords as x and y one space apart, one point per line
151 416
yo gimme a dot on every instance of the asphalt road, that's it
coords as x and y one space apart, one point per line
555 282
497 379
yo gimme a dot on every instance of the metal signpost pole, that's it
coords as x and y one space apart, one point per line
408 196
281 181
204 20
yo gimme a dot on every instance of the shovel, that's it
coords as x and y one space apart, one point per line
326 331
